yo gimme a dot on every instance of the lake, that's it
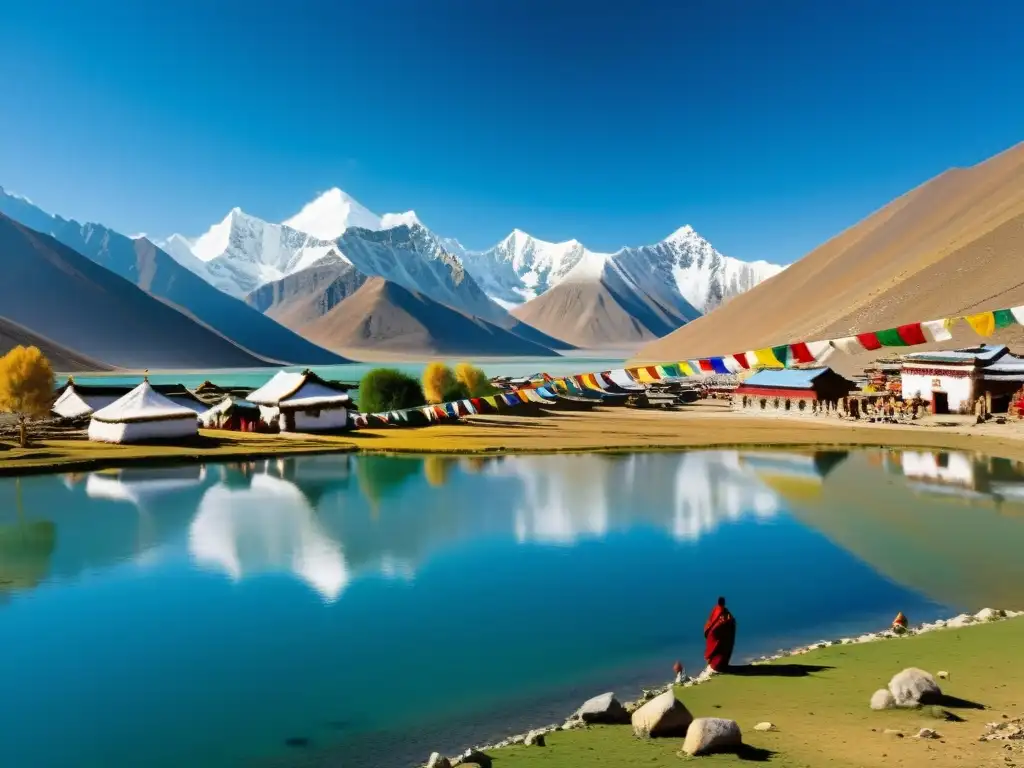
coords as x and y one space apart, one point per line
257 377
363 611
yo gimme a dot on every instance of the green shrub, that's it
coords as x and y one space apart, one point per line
385 389
456 390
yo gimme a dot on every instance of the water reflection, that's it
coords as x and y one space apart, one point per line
325 519
279 596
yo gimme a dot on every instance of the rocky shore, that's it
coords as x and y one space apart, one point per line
661 710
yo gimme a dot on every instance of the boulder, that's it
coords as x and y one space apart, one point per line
535 739
712 734
605 709
882 699
766 726
437 760
927 733
473 757
942 674
990 614
663 715
913 687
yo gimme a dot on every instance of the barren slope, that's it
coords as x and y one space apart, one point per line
62 295
599 313
951 246
61 358
385 316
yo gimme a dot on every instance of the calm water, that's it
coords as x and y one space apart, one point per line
375 608
236 377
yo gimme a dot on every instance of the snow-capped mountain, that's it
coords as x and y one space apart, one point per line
331 214
521 268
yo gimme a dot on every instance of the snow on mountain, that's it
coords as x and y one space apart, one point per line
683 265
332 213
521 267
699 273
391 220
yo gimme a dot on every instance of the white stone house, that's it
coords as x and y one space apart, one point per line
302 402
952 381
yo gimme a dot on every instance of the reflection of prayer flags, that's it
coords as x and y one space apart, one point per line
938 330
983 323
869 341
718 365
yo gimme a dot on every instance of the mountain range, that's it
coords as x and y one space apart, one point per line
949 247
557 295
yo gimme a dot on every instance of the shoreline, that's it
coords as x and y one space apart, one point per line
604 431
535 736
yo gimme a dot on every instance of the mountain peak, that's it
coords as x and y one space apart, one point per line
684 233
408 219
330 214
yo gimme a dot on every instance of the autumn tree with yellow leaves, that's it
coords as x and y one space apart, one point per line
440 384
26 385
476 381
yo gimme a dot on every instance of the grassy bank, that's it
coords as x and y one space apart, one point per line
819 703
83 456
616 429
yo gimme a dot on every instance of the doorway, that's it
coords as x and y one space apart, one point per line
940 402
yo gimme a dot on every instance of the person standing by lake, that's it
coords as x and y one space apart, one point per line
720 637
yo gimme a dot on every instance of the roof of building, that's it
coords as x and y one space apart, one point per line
299 390
143 404
786 378
984 353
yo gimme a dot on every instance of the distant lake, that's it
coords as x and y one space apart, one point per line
237 377
362 611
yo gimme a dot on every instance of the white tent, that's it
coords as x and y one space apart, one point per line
302 402
143 414
72 404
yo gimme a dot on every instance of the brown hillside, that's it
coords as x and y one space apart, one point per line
383 316
61 358
949 247
591 315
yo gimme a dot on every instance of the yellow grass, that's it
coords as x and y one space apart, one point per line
706 425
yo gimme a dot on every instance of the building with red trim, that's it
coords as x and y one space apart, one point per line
952 381
803 389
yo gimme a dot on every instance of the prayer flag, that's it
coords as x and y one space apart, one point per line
705 366
1004 318
718 365
850 345
1018 314
869 341
781 353
983 323
820 350
685 369
938 330
767 358
800 353
741 358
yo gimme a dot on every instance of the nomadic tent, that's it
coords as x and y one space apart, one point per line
76 400
302 402
232 413
143 414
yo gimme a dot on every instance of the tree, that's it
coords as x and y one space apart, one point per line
385 389
439 383
475 379
26 385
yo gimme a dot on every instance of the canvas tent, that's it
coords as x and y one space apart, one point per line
76 400
302 402
143 414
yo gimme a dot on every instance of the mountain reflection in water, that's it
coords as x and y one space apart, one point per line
258 602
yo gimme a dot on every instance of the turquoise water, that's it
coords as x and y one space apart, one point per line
236 377
364 611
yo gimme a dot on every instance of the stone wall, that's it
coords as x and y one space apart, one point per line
789 406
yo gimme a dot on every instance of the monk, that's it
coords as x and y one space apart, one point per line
720 636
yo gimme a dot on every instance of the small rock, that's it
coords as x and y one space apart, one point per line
437 760
990 614
893 732
882 699
663 715
765 727
535 739
913 687
604 709
711 734
927 733
942 674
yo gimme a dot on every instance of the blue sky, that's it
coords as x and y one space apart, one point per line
768 126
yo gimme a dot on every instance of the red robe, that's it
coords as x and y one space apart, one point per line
720 636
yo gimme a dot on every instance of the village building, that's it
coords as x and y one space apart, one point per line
954 381
809 390
232 413
75 400
302 402
143 415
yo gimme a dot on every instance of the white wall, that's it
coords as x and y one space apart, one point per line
960 389
138 431
334 418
